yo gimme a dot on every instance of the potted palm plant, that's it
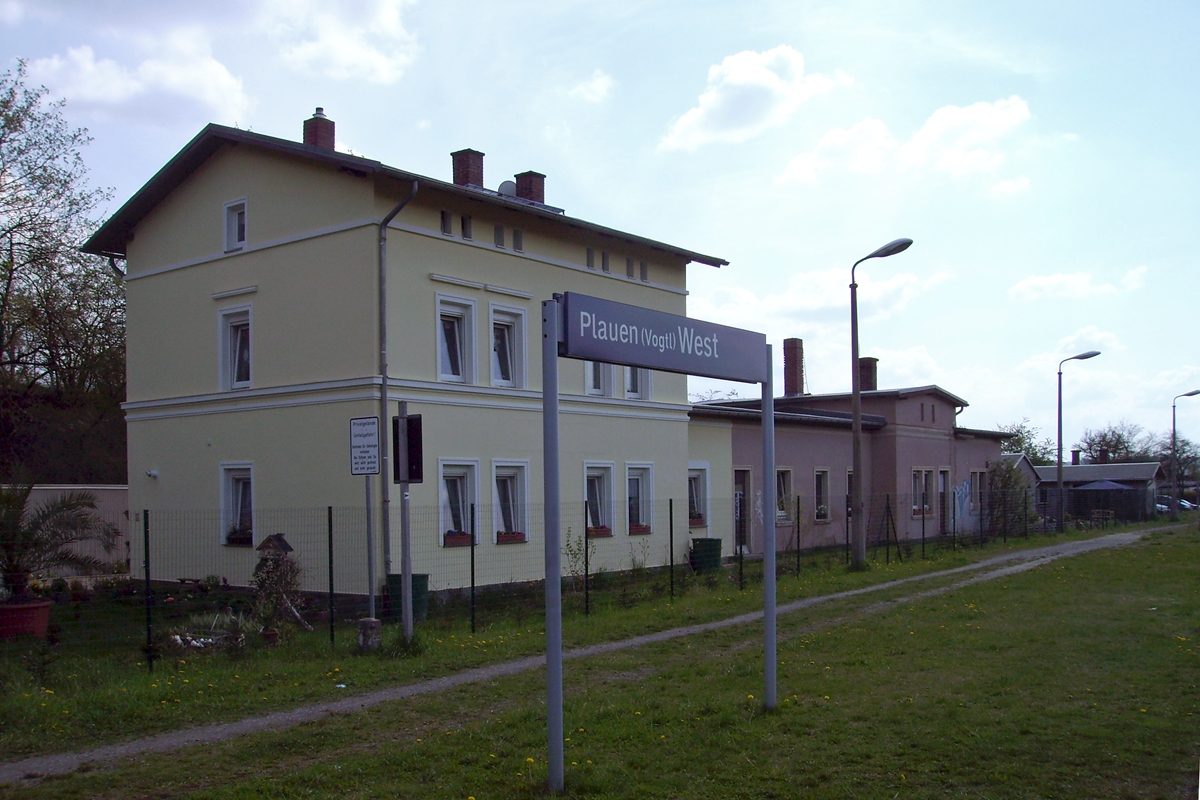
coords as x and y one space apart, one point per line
39 539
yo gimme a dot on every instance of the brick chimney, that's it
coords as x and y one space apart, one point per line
468 168
1074 458
1103 455
868 373
318 130
531 186
793 367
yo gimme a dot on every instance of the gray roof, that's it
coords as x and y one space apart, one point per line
113 236
1086 473
829 419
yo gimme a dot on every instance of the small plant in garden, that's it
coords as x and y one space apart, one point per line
573 549
38 539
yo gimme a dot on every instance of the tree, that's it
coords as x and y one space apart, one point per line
1124 441
62 313
1027 439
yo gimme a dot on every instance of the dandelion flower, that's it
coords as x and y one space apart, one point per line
529 761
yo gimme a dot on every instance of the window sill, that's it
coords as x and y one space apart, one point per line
456 540
639 530
825 521
697 522
239 543
601 532
510 538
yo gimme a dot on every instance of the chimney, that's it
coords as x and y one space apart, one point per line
868 373
1103 455
318 130
468 168
1074 458
793 367
531 186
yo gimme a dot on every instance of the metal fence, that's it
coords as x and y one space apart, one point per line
191 582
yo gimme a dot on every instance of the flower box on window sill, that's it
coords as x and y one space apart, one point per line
514 537
603 530
237 537
696 522
454 539
639 530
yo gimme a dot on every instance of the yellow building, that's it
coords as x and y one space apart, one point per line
254 280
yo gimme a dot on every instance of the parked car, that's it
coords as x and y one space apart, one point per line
1163 504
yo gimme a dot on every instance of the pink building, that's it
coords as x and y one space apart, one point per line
924 474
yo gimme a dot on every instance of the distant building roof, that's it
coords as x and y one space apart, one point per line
808 399
830 419
1087 473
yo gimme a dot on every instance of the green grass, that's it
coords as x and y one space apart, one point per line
85 701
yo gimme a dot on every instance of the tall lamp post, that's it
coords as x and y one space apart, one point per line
1062 506
857 515
1175 459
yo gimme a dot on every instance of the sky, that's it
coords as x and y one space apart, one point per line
1042 156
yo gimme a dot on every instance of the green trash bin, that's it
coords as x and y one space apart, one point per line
706 554
420 595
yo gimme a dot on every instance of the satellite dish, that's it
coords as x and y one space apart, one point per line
508 189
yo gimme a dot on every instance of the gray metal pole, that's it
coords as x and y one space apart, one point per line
553 516
858 539
1061 507
768 445
406 613
370 553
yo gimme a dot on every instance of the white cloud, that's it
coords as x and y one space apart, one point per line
180 79
748 93
11 11
595 89
958 142
342 39
1073 286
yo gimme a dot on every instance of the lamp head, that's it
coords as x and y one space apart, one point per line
891 248
1192 393
1085 356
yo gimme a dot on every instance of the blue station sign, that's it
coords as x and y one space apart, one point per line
617 333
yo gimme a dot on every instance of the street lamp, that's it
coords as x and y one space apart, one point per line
1061 498
1175 459
857 515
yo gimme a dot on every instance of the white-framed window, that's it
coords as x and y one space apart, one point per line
236 357
457 489
518 240
978 477
639 498
456 339
637 383
783 494
597 378
598 492
821 495
508 346
510 500
235 225
697 496
237 504
922 492
447 224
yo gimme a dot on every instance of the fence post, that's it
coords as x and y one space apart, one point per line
329 509
671 541
924 506
798 536
587 599
1004 511
149 594
1025 513
741 567
472 568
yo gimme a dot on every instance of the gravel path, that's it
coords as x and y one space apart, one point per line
987 569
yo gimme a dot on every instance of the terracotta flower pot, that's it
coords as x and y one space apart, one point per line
24 619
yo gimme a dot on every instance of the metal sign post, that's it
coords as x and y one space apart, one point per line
593 329
364 460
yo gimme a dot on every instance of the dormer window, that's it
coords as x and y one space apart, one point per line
235 226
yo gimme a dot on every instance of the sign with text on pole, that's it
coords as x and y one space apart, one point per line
616 333
364 446
589 328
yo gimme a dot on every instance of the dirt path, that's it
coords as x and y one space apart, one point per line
987 569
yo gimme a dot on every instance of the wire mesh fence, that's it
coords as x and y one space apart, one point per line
189 581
